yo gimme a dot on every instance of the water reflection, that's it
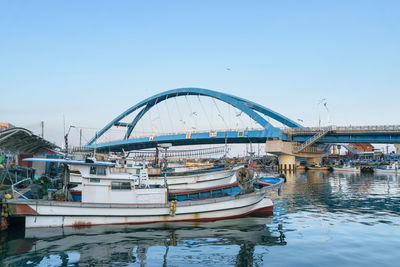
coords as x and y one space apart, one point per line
352 193
133 244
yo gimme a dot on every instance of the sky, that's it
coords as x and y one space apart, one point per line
85 62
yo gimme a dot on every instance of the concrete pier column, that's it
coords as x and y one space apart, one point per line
314 161
287 162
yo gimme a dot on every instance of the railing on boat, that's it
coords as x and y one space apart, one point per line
15 192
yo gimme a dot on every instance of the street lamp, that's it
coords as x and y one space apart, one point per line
327 110
319 111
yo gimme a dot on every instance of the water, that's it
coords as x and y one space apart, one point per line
322 219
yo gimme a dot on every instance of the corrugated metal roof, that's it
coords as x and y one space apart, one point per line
72 162
21 140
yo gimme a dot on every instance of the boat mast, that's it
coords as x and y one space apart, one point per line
165 165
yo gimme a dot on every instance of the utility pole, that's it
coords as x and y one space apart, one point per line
42 126
80 138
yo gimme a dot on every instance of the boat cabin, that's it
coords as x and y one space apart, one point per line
100 171
101 185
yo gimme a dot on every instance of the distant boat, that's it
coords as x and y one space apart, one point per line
347 168
114 198
301 167
392 168
265 184
317 168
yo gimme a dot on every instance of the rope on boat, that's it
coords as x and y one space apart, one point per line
172 208
4 212
4 209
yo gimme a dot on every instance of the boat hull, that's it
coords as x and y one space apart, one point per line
197 181
318 169
347 169
386 171
39 213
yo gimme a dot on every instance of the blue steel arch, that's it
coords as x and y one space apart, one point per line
244 105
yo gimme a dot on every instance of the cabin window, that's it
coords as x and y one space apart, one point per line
121 186
92 170
94 180
101 170
129 165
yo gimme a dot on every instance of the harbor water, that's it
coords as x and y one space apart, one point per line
321 219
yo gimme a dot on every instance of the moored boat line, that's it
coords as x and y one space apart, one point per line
117 198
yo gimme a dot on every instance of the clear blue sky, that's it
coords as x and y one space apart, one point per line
90 60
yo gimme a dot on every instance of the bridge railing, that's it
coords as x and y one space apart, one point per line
377 128
149 134
367 128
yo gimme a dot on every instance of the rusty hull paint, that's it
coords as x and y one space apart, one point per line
81 225
21 210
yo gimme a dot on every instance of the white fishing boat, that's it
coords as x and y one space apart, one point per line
117 198
347 168
185 180
389 169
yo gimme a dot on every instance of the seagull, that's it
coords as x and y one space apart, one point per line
228 68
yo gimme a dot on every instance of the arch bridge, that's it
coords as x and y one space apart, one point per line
295 139
255 111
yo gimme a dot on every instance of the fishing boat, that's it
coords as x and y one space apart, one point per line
198 164
264 184
301 167
196 179
347 168
232 187
317 168
117 198
389 169
192 179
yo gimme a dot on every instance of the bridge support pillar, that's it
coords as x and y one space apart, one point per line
287 162
314 161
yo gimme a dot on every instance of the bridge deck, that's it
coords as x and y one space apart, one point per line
354 134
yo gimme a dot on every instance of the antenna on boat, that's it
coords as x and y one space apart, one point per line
66 140
95 145
226 147
66 168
